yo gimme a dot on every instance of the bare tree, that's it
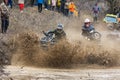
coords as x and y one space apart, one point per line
114 6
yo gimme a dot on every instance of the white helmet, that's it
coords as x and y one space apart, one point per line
60 26
87 20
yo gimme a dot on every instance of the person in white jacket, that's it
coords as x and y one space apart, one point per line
21 5
4 11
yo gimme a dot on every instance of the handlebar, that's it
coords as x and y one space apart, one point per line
92 31
46 34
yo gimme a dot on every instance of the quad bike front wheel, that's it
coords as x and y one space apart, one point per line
96 36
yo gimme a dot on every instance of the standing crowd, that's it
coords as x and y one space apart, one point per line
66 7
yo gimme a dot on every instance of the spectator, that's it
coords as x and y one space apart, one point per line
4 17
79 8
49 2
66 8
58 5
5 1
62 5
96 11
45 4
40 2
10 3
21 5
53 5
32 3
72 8
118 16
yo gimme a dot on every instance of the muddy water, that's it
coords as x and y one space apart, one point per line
24 73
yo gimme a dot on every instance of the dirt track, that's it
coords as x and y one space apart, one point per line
24 73
38 22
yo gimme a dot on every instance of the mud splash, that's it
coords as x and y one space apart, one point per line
62 55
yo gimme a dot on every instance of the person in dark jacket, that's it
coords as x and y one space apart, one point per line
59 32
40 3
32 3
4 17
87 27
10 3
66 8
62 5
45 4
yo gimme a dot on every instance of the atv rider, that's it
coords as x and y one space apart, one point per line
59 32
87 28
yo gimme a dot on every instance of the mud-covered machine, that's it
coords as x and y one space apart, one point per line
113 22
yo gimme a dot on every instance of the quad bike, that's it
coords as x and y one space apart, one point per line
93 35
47 40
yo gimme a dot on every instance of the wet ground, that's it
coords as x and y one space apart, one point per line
24 73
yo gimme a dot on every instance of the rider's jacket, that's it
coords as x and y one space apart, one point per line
58 35
87 28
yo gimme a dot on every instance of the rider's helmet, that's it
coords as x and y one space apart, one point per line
60 27
87 22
